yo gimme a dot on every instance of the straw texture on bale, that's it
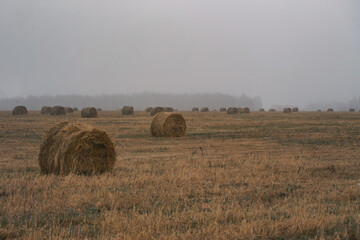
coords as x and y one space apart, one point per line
72 147
287 110
195 109
20 110
204 109
351 110
295 109
244 110
45 110
156 110
168 109
232 110
168 125
261 110
330 110
148 109
127 110
223 109
272 110
58 110
69 110
89 112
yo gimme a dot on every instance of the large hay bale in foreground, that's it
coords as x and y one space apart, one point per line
168 109
232 110
45 110
244 110
168 125
295 109
223 109
58 110
69 110
76 148
148 109
20 110
127 110
89 112
330 110
195 109
287 110
156 110
352 110
204 109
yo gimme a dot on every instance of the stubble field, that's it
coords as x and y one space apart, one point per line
246 176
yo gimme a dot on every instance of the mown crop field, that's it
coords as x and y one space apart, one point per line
246 176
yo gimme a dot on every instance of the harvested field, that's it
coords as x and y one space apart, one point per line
249 176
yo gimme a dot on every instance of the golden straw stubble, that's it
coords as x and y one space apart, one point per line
166 124
73 147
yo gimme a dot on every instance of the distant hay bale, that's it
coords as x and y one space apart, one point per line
127 110
45 110
156 110
76 148
195 109
287 110
99 109
58 110
168 109
148 109
261 110
232 110
168 125
352 110
272 110
20 110
319 110
330 110
204 109
89 112
244 110
69 110
223 109
75 109
295 109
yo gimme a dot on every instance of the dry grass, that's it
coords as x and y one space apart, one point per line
252 176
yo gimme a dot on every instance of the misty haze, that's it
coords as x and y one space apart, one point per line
284 52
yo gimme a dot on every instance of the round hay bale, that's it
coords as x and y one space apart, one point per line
319 110
168 125
148 109
127 110
272 110
330 110
99 109
223 109
287 110
45 110
244 110
75 109
69 110
156 110
168 109
352 110
195 109
89 112
204 109
261 110
232 110
20 110
295 109
73 147
58 110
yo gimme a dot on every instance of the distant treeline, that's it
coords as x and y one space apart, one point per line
139 101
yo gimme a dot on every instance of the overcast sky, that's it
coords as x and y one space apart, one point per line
284 51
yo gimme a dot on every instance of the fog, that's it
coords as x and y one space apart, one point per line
287 52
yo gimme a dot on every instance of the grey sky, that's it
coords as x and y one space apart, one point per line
284 51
